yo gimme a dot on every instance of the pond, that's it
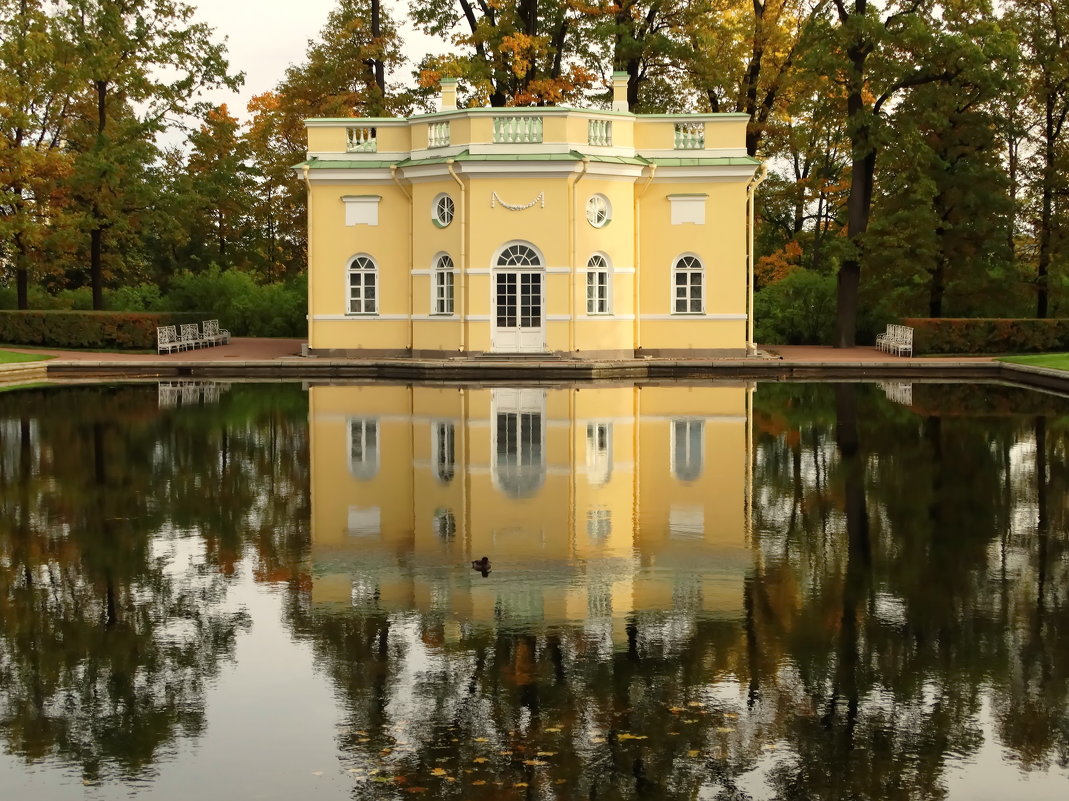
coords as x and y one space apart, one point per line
710 591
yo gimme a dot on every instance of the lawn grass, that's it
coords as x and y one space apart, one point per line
1055 361
8 357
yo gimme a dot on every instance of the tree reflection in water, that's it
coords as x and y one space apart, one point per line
119 529
904 605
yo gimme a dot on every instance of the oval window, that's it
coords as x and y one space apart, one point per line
598 211
443 210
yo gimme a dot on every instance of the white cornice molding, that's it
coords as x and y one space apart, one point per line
701 153
374 175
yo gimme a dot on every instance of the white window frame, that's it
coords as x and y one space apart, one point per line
688 264
443 205
443 285
362 265
598 265
598 210
364 432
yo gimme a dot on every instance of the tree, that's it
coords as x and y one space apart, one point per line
875 59
35 105
141 63
514 53
1042 28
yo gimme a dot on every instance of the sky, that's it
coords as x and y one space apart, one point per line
266 36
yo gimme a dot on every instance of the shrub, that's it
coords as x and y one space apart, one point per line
81 329
988 334
796 310
242 306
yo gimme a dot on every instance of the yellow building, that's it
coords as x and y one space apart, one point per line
583 233
593 504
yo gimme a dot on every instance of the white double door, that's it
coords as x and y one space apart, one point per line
519 312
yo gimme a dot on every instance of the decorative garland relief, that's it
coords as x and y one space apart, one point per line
539 199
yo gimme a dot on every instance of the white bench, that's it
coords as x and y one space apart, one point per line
167 339
897 339
190 336
213 334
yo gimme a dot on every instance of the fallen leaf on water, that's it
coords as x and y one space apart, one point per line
400 779
361 733
356 770
690 720
479 782
627 736
535 762
547 753
480 739
553 728
725 729
520 784
505 753
673 734
442 759
693 753
382 779
386 751
769 746
560 781
675 710
480 760
597 739
696 703
364 740
450 778
731 715
438 772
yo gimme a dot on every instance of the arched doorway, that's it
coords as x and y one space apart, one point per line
519 300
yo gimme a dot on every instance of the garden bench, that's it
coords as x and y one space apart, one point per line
190 336
897 339
167 339
214 334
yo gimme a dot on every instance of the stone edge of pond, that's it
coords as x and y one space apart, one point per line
17 373
545 370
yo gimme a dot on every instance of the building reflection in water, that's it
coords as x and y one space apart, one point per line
592 504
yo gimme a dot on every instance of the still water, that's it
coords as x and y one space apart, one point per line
719 591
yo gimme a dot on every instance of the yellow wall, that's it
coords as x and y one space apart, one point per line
406 241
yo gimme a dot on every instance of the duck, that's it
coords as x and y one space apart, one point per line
482 565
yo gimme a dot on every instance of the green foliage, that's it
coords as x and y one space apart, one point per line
988 335
142 297
243 306
797 310
87 329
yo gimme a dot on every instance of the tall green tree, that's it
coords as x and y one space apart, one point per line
146 57
877 53
1042 28
36 88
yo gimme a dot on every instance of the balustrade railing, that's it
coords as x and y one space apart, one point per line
690 136
599 133
438 134
517 130
360 140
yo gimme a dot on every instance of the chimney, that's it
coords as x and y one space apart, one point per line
619 91
448 100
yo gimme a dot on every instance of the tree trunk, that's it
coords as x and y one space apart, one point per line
1046 210
22 272
96 235
858 206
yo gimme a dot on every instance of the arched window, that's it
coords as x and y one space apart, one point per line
688 449
443 284
363 447
688 278
597 285
363 280
445 457
519 256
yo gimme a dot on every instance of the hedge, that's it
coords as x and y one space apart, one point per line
88 329
988 335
